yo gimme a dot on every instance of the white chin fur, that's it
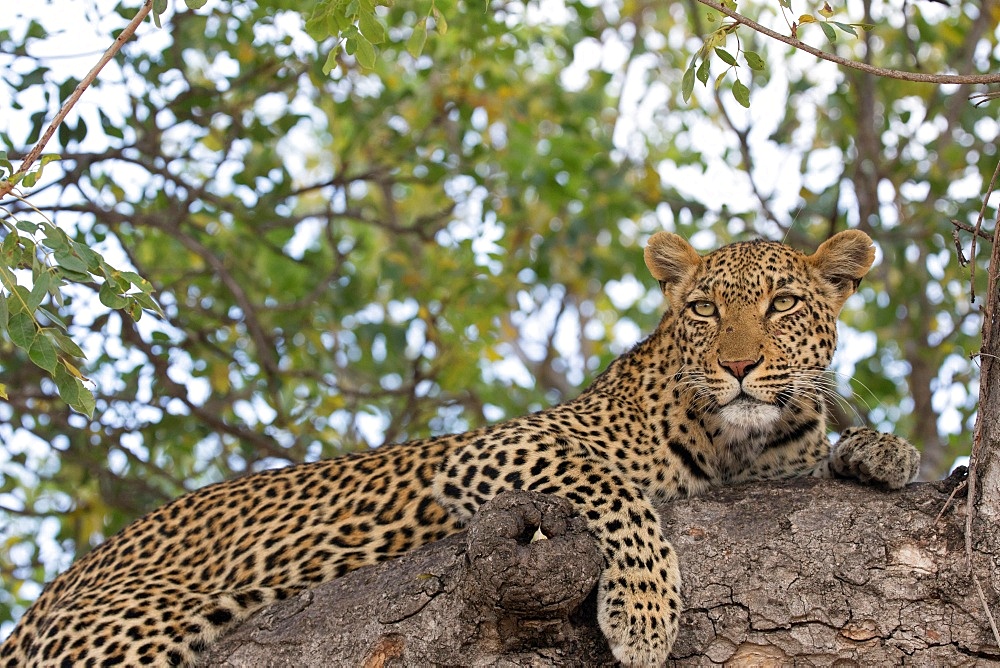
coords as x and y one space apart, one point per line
743 416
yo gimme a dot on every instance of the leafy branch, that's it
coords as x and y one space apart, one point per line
727 8
713 43
359 30
7 184
53 259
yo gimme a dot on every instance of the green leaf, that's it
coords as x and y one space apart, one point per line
440 24
754 60
849 29
703 72
828 30
3 312
71 265
371 28
22 330
714 39
331 61
73 392
159 6
66 344
43 353
687 83
110 298
3 392
147 302
10 244
417 39
27 226
40 288
741 93
23 297
365 53
110 129
726 57
119 283
195 4
316 24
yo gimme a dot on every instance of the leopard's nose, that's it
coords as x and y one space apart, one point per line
739 369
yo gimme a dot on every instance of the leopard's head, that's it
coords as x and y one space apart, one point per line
755 322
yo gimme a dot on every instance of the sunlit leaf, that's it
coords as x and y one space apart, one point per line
371 28
415 43
365 53
331 61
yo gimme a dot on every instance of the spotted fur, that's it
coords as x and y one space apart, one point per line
727 389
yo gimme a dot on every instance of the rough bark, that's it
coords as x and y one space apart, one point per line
983 513
806 573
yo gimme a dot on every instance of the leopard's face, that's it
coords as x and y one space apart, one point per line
755 324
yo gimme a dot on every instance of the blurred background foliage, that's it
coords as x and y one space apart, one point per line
451 238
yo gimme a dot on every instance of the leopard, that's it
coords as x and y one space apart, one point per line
729 388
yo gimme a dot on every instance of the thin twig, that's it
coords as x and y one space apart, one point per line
986 607
36 152
951 497
864 67
971 230
978 230
962 260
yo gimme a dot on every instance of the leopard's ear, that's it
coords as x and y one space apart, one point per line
670 259
844 259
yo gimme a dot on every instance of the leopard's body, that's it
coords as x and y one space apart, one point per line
727 389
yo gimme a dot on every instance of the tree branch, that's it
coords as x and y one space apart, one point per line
768 579
8 185
844 62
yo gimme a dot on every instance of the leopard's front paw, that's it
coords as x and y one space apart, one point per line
639 615
874 457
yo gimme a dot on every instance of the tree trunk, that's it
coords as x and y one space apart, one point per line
807 572
983 511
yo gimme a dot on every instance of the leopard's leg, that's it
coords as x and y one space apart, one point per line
639 601
875 457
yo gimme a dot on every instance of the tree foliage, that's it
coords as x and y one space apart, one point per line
431 218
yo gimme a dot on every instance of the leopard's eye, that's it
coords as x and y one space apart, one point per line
706 309
782 304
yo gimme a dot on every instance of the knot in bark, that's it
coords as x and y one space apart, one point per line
529 555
